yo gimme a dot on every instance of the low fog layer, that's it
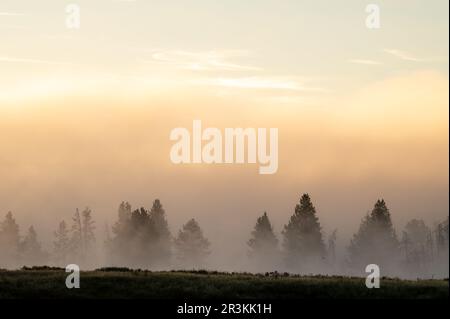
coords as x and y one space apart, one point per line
141 238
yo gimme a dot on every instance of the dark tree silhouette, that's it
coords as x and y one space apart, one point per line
141 238
376 241
76 239
31 252
159 229
415 242
442 238
87 231
61 245
191 246
303 241
82 238
9 242
118 248
263 244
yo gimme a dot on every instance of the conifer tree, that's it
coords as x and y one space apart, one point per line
76 239
191 246
141 237
61 245
376 241
87 230
31 251
82 237
160 233
414 241
119 251
9 242
303 242
263 244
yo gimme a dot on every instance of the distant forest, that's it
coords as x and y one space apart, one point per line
141 238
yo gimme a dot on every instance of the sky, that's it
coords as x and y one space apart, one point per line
85 114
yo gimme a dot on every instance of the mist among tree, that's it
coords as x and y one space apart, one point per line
31 252
263 245
376 241
9 242
76 239
303 242
61 245
160 234
414 243
82 238
88 236
331 250
141 237
191 246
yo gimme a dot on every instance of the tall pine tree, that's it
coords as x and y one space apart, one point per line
87 230
31 252
159 229
82 238
76 239
119 252
9 242
263 245
141 237
191 246
303 242
61 245
375 242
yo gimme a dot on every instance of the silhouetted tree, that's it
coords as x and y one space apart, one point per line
122 234
414 243
159 228
9 242
141 242
31 252
141 237
263 244
303 242
442 238
61 245
82 237
191 246
87 231
124 215
376 241
76 239
442 249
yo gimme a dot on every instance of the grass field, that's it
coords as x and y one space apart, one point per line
123 283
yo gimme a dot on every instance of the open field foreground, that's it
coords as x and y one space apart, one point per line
124 283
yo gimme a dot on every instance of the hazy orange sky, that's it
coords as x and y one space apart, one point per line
85 115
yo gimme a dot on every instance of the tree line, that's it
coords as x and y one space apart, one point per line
141 238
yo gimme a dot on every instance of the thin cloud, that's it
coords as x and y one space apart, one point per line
25 60
200 61
402 55
363 61
260 83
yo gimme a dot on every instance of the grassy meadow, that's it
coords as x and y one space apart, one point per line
122 283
